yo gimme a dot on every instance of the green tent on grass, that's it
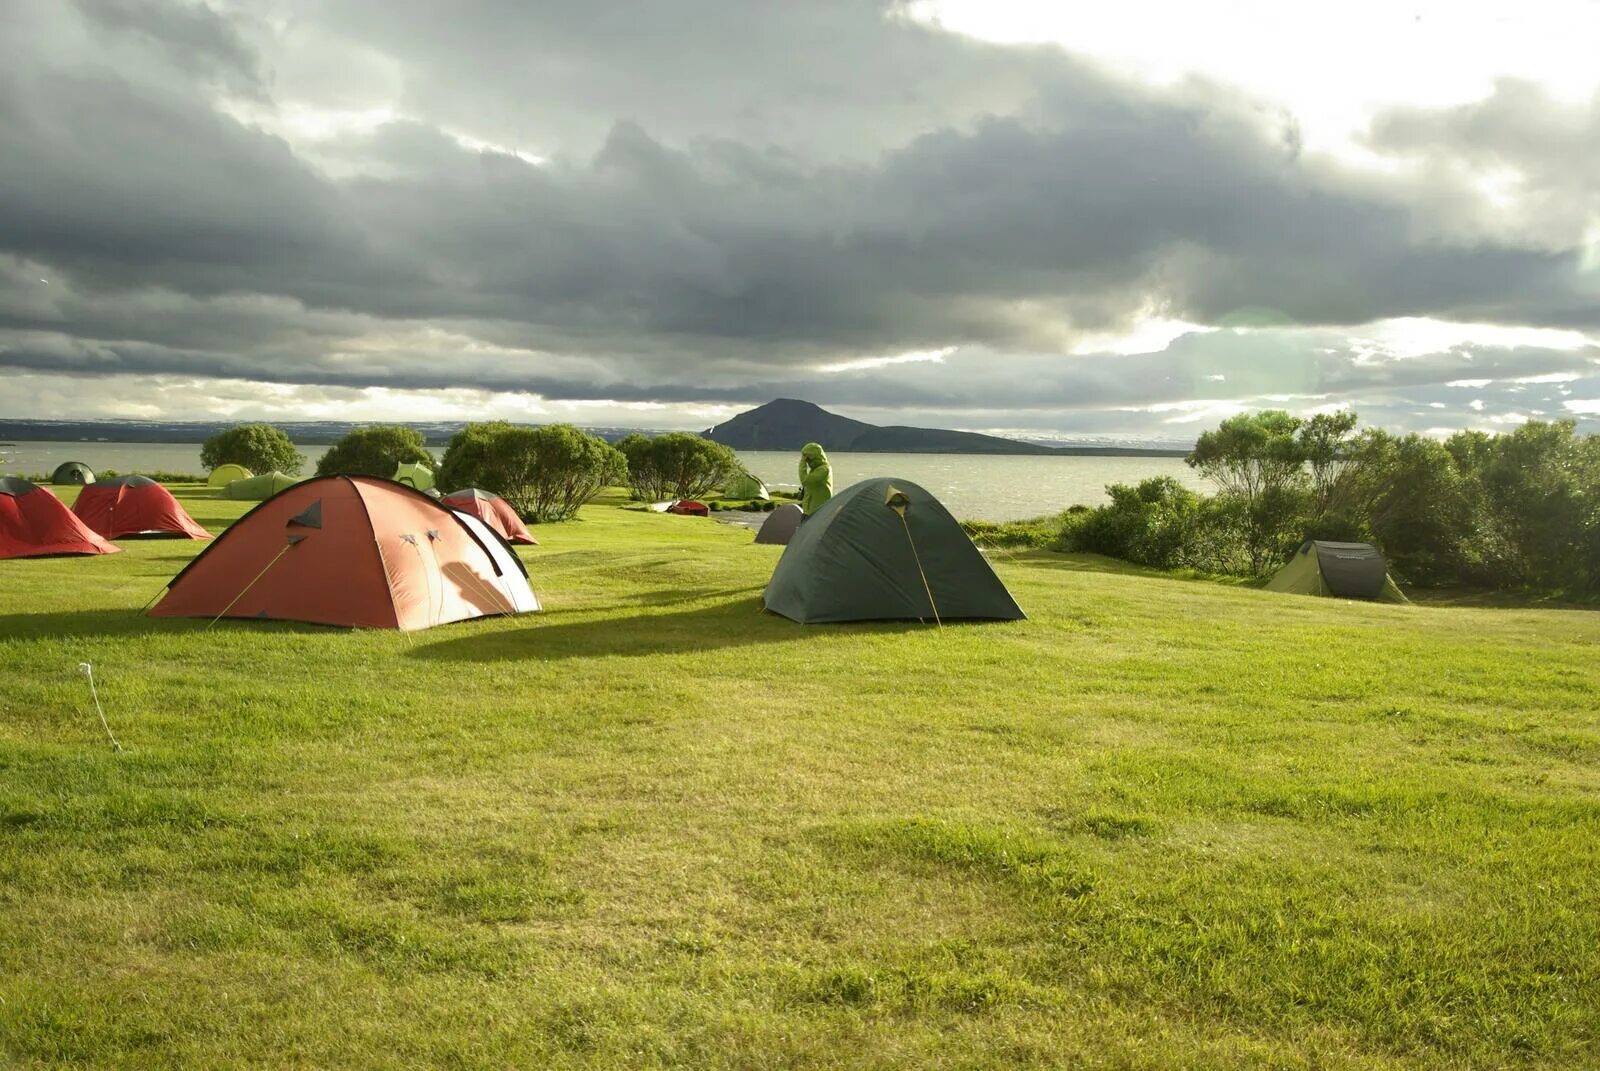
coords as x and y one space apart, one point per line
223 475
1338 570
259 488
413 474
72 472
882 550
746 486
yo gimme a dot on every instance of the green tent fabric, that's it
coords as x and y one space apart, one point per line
259 488
857 559
223 475
816 478
1338 570
413 474
746 486
72 472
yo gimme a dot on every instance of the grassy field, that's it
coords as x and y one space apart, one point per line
1159 824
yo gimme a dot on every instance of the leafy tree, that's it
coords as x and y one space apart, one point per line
470 459
545 473
1259 461
677 465
374 450
1324 443
1537 495
1407 496
261 448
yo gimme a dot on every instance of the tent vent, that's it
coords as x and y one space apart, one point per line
310 517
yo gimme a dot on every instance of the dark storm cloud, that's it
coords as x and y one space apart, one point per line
732 194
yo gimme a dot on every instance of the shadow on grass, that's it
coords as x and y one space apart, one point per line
76 624
739 623
1099 563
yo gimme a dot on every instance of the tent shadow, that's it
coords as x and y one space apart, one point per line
740 623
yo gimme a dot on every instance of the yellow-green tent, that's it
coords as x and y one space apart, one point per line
260 488
745 485
223 475
413 474
1338 570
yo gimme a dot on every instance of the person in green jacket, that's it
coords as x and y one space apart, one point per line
816 478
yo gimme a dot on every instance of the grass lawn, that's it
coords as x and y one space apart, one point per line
1159 824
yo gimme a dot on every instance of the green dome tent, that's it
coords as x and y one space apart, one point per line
72 472
745 485
223 475
413 474
259 488
882 550
1338 570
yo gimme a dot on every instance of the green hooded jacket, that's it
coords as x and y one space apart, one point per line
816 478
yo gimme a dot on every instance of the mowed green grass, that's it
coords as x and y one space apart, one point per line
1159 824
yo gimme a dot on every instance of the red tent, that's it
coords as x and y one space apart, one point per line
35 523
690 508
492 510
356 551
135 506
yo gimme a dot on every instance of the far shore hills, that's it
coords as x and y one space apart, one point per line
782 424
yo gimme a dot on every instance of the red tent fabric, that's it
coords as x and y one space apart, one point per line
135 506
35 523
690 508
356 551
492 510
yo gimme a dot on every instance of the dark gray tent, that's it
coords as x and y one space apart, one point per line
72 472
1342 570
780 525
881 550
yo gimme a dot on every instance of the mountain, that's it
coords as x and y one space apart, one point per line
788 424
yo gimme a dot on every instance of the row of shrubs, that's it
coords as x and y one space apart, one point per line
1513 511
545 473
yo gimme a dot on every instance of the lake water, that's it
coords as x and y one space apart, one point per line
978 486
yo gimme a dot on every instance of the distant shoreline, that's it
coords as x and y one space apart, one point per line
326 434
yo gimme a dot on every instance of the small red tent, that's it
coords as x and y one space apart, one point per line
492 510
688 507
35 523
356 551
135 506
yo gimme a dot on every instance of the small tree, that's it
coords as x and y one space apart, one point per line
677 465
642 476
1325 442
470 459
261 448
1258 460
374 450
544 473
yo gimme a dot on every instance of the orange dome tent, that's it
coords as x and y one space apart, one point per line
135 506
35 523
356 551
492 510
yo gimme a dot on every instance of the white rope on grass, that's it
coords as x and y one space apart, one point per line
88 671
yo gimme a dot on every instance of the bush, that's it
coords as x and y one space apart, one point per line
1153 523
677 465
544 473
375 450
1036 532
261 448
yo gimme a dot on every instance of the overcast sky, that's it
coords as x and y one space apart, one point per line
1122 220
